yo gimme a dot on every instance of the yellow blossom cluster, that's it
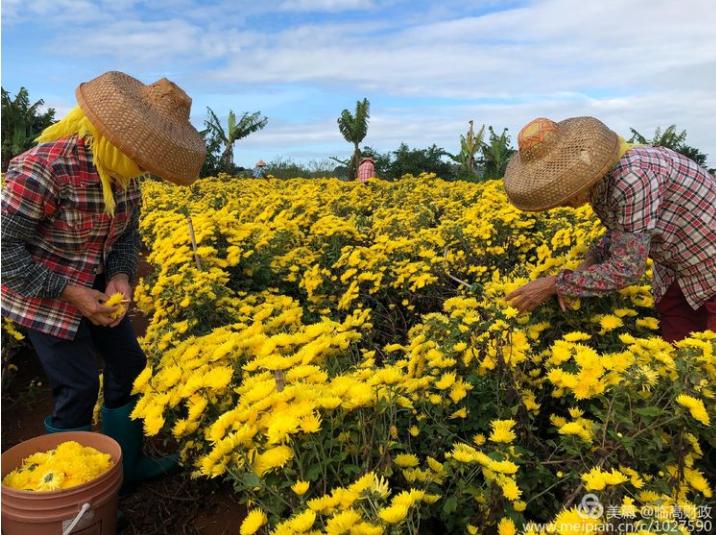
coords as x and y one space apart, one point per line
318 335
68 465
115 301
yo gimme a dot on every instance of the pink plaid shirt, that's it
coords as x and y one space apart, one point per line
659 203
366 170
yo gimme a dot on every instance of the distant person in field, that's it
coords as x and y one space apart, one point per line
653 202
260 170
366 169
70 239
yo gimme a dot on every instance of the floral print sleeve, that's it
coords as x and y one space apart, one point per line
599 251
624 264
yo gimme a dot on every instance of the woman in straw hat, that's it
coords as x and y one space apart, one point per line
70 212
654 203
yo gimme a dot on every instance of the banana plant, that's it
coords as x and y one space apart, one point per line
354 128
235 130
470 145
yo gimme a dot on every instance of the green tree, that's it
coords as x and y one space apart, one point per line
354 128
671 139
415 161
496 154
22 122
234 131
212 163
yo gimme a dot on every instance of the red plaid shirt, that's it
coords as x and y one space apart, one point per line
366 170
659 203
55 232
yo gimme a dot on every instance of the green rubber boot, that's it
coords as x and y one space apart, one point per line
121 519
49 428
117 424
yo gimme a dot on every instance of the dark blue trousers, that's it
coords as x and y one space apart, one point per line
73 373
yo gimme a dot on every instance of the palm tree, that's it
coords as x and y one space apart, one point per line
235 130
21 123
354 129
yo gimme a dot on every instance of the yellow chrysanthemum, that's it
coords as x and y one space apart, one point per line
253 522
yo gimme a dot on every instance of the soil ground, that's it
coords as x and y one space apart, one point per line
174 504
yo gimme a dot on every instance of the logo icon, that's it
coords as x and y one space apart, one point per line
590 507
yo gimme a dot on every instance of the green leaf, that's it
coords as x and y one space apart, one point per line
250 480
450 505
313 472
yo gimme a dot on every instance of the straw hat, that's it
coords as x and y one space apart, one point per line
149 123
260 163
557 161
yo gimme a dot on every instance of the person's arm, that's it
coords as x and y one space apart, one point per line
124 254
121 268
597 252
625 265
29 197
624 250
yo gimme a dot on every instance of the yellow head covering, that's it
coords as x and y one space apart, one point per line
624 146
111 163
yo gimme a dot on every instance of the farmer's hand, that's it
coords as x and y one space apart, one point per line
533 294
120 283
89 303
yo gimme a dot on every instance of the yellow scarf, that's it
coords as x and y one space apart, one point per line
111 163
624 146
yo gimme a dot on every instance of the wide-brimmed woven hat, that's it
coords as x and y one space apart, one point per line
557 161
260 163
148 123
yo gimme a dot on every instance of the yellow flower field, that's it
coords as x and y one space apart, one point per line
344 355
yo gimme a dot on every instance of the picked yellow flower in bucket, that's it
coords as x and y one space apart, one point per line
68 465
117 300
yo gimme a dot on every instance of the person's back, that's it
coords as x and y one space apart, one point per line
669 196
366 169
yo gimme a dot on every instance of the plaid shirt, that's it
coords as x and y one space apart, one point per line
659 203
55 232
366 170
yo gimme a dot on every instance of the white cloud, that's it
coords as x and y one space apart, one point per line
548 46
162 44
631 62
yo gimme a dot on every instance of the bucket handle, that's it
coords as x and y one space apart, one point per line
85 507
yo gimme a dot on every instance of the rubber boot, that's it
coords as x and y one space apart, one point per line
49 428
117 424
121 519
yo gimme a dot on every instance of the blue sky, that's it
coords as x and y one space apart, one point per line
426 67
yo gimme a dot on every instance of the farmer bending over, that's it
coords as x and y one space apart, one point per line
653 202
70 212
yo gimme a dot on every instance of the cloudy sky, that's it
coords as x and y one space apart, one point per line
426 67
